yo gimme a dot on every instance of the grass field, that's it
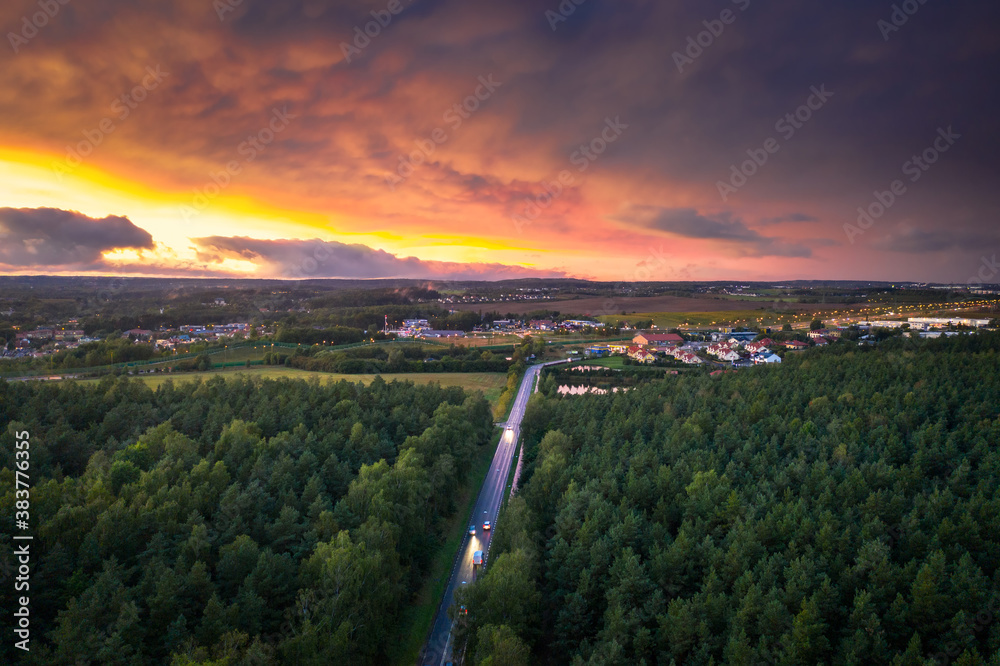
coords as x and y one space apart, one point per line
703 319
612 362
486 341
490 383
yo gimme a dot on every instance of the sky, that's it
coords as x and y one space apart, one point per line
603 139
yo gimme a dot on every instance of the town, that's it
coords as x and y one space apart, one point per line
717 347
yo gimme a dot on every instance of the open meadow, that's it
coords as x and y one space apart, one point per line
490 383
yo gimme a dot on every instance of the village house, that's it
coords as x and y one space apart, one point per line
729 355
641 355
795 345
689 357
718 349
767 358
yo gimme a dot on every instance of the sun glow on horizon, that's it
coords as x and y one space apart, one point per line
35 179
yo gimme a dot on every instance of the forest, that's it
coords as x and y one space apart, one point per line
841 508
240 521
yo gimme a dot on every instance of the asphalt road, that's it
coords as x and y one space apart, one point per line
437 651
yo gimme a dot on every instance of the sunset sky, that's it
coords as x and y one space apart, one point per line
263 138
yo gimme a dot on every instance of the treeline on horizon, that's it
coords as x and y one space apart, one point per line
841 508
233 521
105 310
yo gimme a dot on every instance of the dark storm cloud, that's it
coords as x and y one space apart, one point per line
911 240
689 223
791 217
54 239
609 58
328 259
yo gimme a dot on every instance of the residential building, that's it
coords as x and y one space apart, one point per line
68 334
138 334
767 358
641 355
948 321
758 346
40 334
646 339
728 334
729 355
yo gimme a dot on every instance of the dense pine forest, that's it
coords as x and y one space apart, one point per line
239 521
841 508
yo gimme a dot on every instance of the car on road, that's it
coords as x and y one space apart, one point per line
486 526
477 558
472 530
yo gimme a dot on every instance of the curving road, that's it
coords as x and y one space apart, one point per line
437 651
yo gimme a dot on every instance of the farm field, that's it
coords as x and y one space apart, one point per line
490 383
703 319
602 305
